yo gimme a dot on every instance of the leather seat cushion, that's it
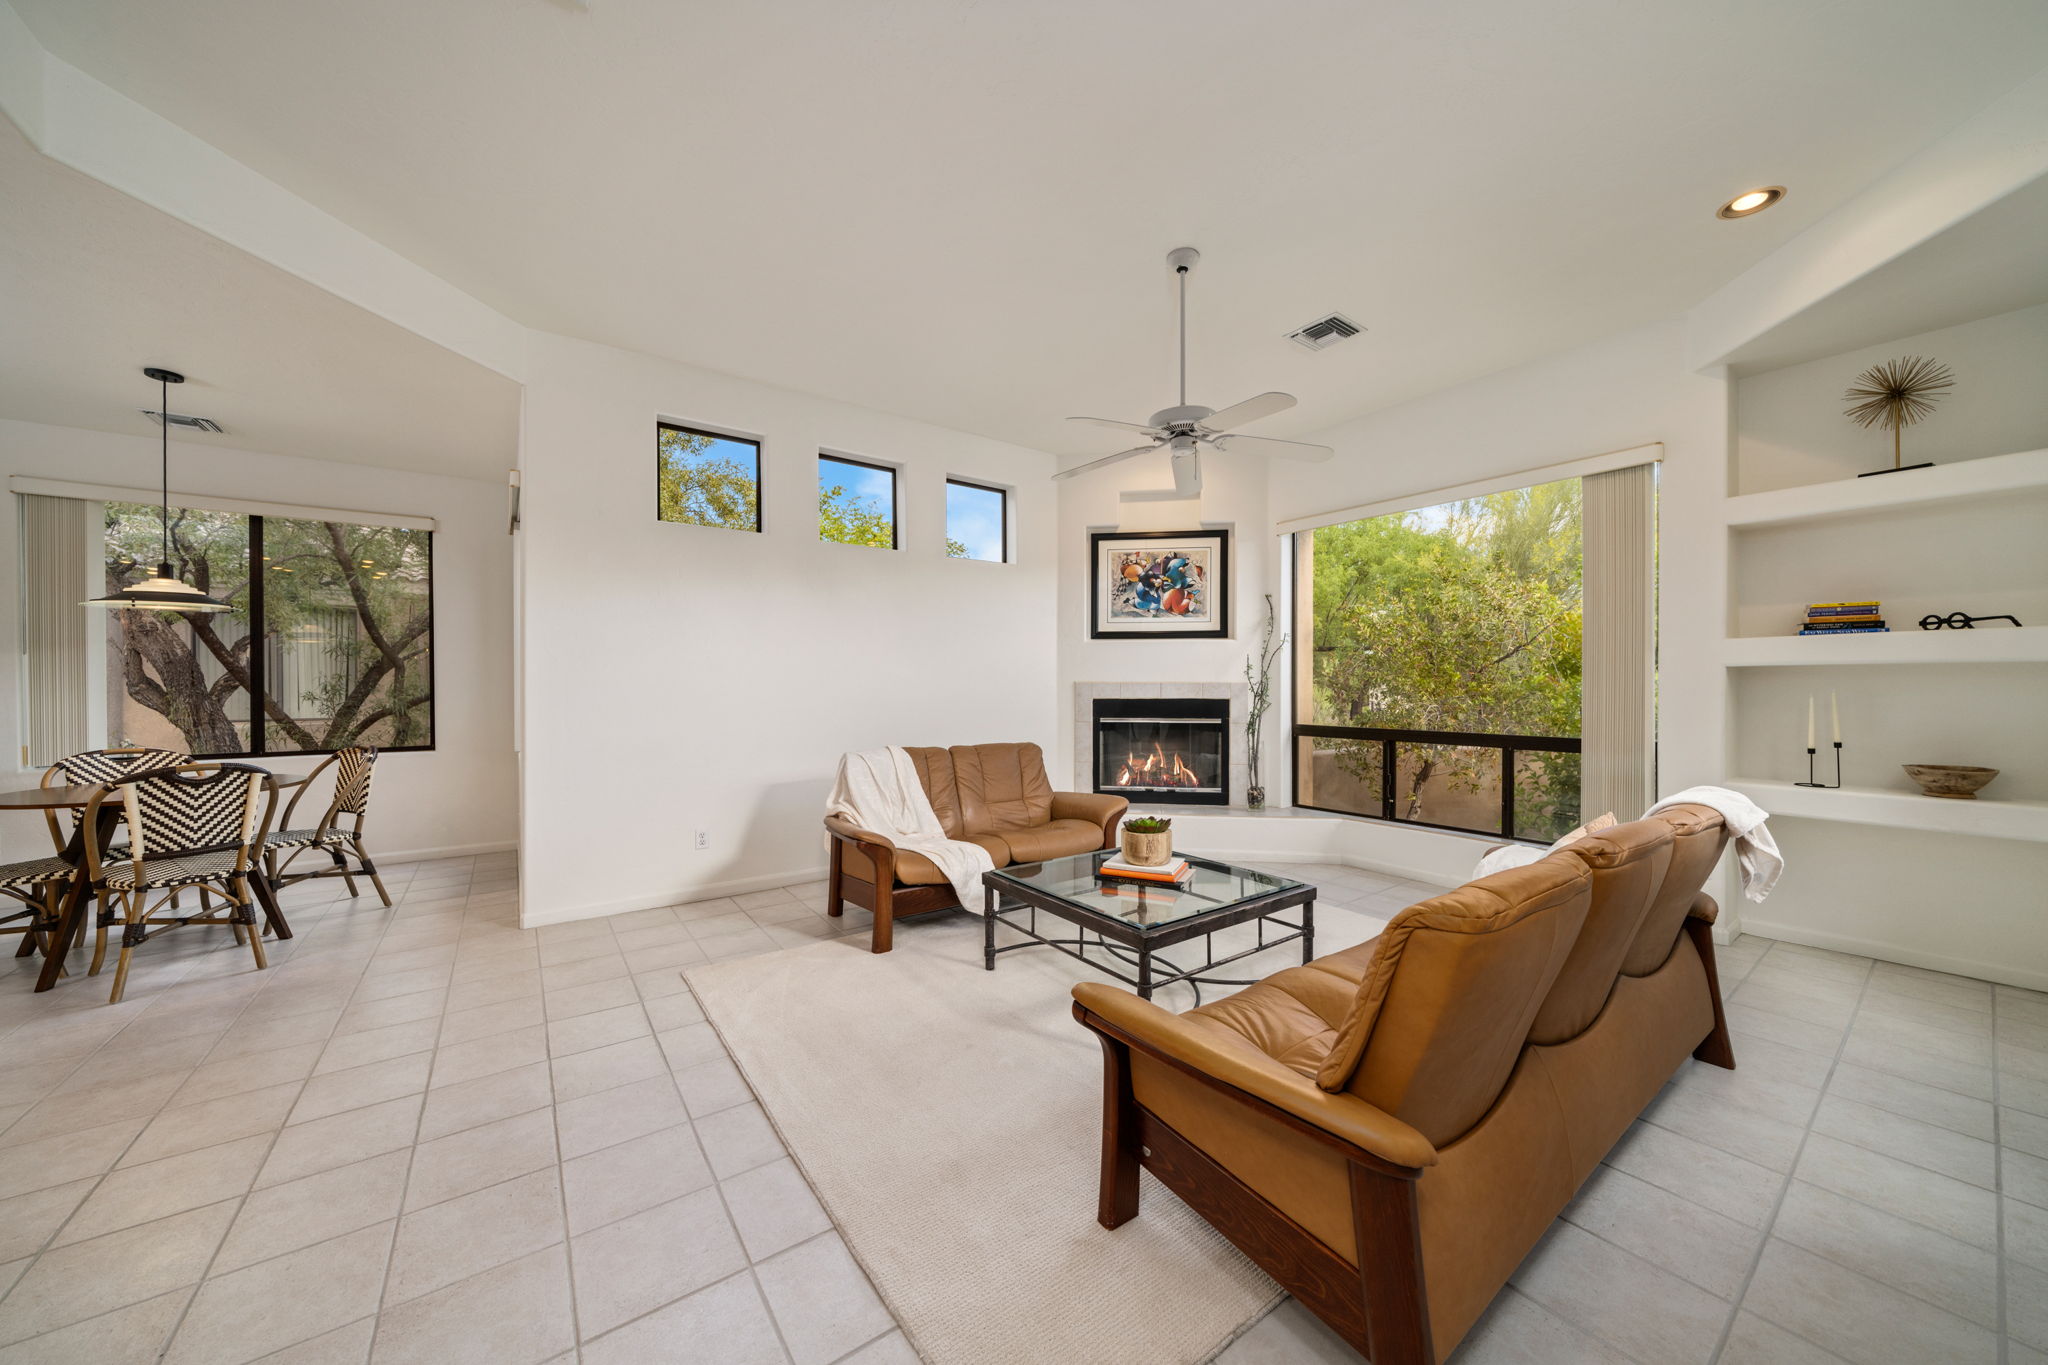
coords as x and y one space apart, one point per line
914 869
1292 1016
1000 787
1054 839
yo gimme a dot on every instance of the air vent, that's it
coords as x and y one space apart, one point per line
179 419
1325 332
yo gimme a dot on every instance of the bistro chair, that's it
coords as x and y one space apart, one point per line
353 769
89 768
194 825
39 885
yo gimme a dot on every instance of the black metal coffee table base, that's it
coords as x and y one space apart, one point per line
1137 947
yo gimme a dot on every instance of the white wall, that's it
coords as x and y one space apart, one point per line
682 678
1790 429
458 798
1233 496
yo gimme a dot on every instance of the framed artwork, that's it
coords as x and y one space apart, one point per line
1153 585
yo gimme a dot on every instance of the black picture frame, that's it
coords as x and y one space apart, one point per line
1110 616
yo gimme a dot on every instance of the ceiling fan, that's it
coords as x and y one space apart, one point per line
1184 429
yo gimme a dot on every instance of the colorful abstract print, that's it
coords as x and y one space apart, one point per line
1159 585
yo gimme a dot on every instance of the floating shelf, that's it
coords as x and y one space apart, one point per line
1964 479
1984 645
1983 817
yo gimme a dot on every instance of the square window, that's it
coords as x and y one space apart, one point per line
856 502
977 521
707 479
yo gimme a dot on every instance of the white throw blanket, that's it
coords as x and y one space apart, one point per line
878 790
1756 852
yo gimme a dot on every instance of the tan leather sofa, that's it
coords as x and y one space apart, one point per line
1389 1130
995 795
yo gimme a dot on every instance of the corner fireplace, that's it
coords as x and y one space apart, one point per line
1163 750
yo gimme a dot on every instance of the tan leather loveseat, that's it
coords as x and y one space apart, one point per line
995 795
1390 1129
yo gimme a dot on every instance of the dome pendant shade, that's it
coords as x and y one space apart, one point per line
163 592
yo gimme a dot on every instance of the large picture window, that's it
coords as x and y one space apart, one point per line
330 642
1441 656
706 479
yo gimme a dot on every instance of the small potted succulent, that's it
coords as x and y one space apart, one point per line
1148 840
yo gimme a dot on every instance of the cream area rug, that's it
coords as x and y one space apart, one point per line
950 1120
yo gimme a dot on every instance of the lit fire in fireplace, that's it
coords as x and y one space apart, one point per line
1156 769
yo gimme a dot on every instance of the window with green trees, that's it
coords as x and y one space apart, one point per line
707 479
856 502
330 642
1442 648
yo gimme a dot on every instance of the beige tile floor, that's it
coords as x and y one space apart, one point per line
426 1134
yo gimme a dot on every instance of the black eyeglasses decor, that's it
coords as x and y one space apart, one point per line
1960 620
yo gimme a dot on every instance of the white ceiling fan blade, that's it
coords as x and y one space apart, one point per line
1250 410
1273 445
1120 426
1104 461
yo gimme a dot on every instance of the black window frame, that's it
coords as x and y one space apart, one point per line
1001 493
259 657
662 424
895 499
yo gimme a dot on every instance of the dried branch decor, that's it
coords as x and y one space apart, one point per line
1897 394
1258 677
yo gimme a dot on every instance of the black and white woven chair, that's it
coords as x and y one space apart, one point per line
90 768
353 769
194 825
38 884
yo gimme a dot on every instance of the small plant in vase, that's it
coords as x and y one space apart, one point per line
1148 840
1258 677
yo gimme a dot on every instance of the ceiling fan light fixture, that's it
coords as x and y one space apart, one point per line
1751 201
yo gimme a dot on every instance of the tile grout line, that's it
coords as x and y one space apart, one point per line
1998 1179
1791 1171
171 1337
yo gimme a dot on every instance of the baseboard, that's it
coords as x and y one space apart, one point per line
2002 972
531 918
427 855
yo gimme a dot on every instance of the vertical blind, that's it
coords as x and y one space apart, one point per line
55 540
1618 696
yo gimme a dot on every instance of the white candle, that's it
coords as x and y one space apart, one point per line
1809 720
1835 717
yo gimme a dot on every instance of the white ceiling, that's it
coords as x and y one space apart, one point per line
94 285
958 211
1994 261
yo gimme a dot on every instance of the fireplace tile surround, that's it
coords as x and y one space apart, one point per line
1086 693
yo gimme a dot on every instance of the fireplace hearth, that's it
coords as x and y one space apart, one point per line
1163 750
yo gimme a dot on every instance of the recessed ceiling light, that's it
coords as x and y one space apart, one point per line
1751 201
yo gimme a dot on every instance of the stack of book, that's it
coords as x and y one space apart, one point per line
1843 618
1167 873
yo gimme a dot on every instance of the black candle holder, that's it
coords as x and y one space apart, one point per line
1824 786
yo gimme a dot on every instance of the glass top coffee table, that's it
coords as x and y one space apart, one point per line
1121 923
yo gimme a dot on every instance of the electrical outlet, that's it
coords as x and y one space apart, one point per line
703 838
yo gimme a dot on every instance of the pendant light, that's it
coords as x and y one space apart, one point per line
163 593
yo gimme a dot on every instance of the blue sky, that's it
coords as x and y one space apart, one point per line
974 517
876 487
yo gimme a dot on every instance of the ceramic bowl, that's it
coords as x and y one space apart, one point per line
1952 780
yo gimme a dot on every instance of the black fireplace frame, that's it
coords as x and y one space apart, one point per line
1210 710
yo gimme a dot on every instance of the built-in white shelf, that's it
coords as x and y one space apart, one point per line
1993 644
1985 817
1964 479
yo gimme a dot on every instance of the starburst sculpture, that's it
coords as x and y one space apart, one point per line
1897 394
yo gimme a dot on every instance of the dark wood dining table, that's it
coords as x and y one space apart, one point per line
71 920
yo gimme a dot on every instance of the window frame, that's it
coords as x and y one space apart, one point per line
259 658
1004 495
895 498
662 424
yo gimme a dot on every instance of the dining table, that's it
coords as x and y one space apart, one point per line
71 917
